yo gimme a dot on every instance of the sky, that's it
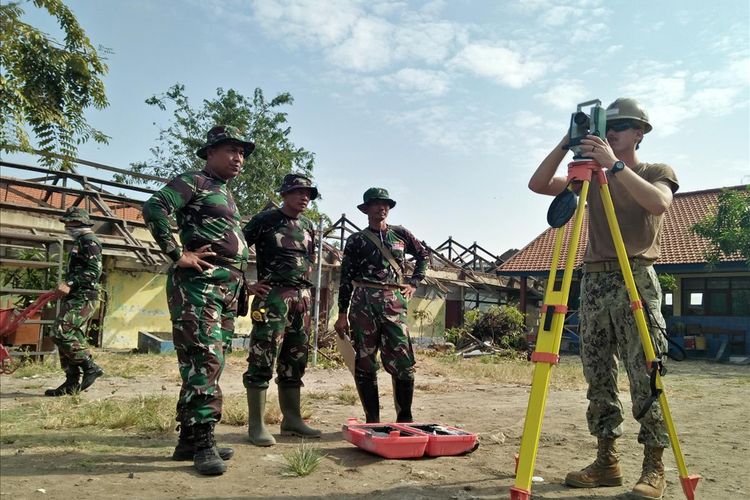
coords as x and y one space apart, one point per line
450 105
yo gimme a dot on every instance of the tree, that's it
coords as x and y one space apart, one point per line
727 230
46 85
275 155
421 315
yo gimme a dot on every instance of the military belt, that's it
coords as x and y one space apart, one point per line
607 266
224 262
381 286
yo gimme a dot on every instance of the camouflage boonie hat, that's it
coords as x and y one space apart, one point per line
77 214
224 133
373 194
298 181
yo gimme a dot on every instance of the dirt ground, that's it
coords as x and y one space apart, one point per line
710 405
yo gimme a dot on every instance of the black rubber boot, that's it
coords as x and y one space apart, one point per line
368 395
207 460
403 393
185 449
71 384
292 423
91 372
256 411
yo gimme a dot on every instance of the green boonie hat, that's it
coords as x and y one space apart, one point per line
224 133
373 194
77 214
298 181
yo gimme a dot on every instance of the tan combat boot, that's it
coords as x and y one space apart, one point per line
652 484
604 471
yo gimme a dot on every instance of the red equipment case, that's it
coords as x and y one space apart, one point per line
393 440
386 440
444 440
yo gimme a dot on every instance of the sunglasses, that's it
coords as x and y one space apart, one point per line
620 126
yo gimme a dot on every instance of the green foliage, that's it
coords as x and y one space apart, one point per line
453 335
504 326
471 317
146 415
421 315
728 230
27 277
303 461
347 395
261 120
667 282
46 85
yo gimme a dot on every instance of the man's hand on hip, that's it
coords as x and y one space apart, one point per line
195 259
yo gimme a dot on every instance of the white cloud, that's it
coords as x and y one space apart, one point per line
526 120
303 22
367 49
360 36
430 43
558 15
418 81
673 95
505 66
565 94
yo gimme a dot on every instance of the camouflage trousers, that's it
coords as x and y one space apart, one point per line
377 319
609 334
203 307
281 326
69 328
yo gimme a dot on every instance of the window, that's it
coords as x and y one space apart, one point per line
667 305
724 296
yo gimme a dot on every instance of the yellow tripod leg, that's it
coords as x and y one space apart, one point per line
546 352
689 482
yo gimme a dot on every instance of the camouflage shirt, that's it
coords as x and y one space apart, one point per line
363 261
285 247
206 214
84 264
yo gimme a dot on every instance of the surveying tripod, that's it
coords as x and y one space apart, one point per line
551 325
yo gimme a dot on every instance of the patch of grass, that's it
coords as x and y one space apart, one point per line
433 388
273 412
132 365
234 410
30 368
144 414
148 415
303 460
347 395
320 395
37 385
329 359
503 370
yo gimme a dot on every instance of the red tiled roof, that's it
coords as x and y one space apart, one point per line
679 245
29 197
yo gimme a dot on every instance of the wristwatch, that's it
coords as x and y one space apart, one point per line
618 165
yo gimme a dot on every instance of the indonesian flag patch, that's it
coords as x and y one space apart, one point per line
398 245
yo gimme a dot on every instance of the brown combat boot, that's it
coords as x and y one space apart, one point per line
604 471
652 484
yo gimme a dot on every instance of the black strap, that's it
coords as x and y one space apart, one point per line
385 252
657 367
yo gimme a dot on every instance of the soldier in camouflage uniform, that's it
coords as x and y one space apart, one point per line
284 242
641 193
203 286
379 294
81 291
